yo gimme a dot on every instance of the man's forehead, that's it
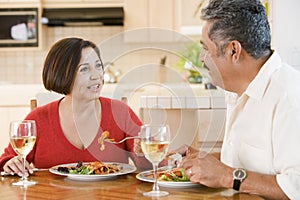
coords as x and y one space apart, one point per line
204 35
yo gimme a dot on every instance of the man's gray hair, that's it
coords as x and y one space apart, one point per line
242 20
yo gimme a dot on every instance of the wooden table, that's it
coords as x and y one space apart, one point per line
50 186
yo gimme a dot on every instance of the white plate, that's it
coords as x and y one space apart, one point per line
125 169
145 176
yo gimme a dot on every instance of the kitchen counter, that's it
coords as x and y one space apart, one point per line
18 94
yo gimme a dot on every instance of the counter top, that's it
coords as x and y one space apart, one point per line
20 94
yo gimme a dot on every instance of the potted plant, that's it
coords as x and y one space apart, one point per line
189 60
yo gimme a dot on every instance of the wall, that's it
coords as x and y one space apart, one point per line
25 67
286 30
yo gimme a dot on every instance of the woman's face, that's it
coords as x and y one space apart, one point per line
89 76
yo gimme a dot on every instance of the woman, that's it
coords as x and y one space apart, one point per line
68 129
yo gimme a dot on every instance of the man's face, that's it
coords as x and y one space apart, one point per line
218 65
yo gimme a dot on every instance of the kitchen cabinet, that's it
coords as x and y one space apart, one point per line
195 116
175 15
168 14
151 13
140 14
81 3
198 122
25 21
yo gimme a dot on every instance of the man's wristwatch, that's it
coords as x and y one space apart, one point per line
238 176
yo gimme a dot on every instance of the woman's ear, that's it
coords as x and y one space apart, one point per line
234 50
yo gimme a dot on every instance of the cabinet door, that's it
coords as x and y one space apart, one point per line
156 14
150 13
211 129
81 3
162 14
136 14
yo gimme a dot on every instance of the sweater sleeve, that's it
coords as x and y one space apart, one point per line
130 125
9 151
7 155
141 162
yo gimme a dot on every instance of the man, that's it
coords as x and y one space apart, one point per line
260 152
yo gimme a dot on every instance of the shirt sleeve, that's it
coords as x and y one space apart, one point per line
289 182
286 149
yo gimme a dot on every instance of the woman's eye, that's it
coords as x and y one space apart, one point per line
83 69
98 66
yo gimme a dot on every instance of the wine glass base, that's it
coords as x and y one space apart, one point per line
24 183
156 194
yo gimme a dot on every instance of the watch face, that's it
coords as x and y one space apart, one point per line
239 174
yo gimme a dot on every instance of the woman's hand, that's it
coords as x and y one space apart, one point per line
174 157
183 151
137 147
15 166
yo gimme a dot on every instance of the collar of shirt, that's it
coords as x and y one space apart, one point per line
259 84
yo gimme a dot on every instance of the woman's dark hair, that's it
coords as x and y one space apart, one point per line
242 20
61 64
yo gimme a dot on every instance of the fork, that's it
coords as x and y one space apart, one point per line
123 140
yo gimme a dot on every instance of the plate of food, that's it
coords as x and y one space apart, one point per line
168 176
92 171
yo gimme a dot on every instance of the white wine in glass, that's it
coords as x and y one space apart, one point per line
22 139
155 140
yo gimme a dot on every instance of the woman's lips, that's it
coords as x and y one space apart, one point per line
95 87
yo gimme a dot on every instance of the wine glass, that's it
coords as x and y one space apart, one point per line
22 136
155 140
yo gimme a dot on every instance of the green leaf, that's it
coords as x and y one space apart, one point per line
190 54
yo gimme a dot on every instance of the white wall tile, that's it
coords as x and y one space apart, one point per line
152 101
198 102
178 102
218 102
164 101
143 102
191 102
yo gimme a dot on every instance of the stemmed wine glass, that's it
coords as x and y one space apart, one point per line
155 140
22 136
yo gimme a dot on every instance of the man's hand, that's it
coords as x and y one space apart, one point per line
206 169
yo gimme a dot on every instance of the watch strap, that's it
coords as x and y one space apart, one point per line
236 184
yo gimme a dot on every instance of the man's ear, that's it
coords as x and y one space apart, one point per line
234 49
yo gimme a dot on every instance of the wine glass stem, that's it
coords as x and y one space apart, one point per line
24 178
155 185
